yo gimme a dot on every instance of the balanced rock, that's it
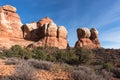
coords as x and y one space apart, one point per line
83 33
87 38
9 8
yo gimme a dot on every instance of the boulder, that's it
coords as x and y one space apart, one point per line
9 8
94 33
83 33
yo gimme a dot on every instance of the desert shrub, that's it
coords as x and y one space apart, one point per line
116 72
85 56
40 64
62 56
12 61
99 70
107 66
58 67
39 54
66 67
17 51
51 57
105 74
66 56
5 78
23 71
51 50
85 73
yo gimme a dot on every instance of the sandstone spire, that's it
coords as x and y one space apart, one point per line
87 38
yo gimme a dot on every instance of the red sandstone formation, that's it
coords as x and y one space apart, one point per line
87 38
42 33
46 33
10 27
10 23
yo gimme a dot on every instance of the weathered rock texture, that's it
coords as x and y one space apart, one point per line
45 33
10 27
87 38
10 23
42 33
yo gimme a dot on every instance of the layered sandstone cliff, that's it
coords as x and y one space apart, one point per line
10 27
10 23
42 33
46 33
87 38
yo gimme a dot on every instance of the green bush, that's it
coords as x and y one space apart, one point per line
39 54
107 66
17 51
85 56
62 56
65 56
51 57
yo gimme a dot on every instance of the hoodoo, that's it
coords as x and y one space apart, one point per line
87 38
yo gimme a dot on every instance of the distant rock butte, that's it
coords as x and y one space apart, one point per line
87 38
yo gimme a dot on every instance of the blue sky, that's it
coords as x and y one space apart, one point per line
101 14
